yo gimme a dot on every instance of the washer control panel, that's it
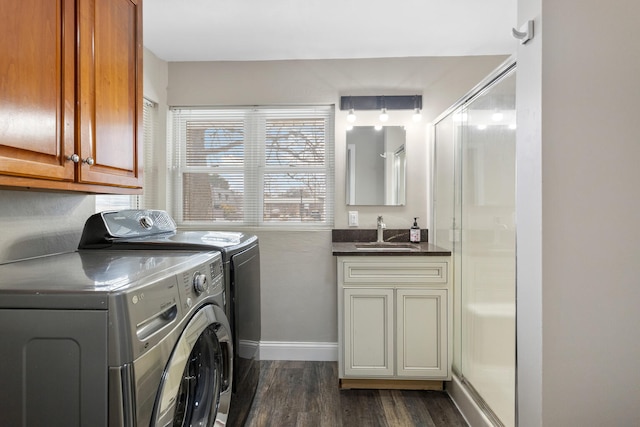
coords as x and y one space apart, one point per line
205 281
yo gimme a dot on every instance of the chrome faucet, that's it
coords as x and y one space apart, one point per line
381 227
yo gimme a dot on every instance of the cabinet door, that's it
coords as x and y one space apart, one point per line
110 97
37 89
421 329
368 332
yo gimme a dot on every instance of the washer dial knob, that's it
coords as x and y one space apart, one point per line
146 222
200 283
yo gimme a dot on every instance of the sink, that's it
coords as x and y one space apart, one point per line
386 246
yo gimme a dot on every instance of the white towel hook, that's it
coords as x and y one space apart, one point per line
525 33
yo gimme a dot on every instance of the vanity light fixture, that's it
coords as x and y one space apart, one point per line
384 116
417 104
382 103
351 117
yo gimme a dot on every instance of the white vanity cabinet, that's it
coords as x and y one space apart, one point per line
394 320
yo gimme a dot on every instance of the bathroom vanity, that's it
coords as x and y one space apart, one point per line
394 315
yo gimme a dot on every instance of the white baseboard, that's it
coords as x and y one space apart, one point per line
311 351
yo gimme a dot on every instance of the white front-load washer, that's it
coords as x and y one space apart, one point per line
115 338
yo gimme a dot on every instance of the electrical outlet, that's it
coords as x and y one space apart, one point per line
353 218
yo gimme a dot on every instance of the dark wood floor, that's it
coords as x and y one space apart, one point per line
306 394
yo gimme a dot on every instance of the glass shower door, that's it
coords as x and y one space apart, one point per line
474 216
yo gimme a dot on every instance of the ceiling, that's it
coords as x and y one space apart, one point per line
248 30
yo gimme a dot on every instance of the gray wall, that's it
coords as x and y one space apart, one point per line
578 145
34 223
156 76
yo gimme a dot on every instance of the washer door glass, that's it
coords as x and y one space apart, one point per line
195 388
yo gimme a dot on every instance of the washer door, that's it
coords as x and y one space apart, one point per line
196 384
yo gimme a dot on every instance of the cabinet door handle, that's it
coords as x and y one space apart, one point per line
89 161
74 158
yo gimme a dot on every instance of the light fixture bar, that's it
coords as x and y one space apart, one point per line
393 102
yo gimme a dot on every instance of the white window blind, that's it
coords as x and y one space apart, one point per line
147 199
253 166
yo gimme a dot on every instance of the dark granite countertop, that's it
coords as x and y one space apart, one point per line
349 242
418 249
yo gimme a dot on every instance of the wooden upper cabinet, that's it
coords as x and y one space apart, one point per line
110 92
37 88
71 84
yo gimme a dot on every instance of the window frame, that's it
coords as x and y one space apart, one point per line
254 167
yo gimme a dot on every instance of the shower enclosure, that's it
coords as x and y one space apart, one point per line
474 217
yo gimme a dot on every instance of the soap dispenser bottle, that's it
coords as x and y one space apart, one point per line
414 232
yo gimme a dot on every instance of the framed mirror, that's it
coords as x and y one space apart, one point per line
375 165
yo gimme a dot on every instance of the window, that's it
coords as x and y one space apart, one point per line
149 131
253 166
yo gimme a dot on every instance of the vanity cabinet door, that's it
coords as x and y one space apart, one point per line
368 332
421 332
37 90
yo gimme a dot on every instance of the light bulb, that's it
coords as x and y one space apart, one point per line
351 117
417 115
512 126
349 127
482 127
383 115
378 127
497 116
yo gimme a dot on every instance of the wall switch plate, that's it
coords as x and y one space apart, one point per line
353 218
